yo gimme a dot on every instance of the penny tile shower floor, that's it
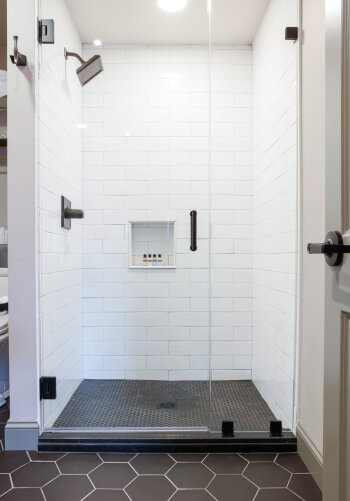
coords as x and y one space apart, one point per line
133 403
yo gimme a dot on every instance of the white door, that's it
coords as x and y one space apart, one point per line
336 480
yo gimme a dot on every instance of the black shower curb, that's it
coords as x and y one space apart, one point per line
165 442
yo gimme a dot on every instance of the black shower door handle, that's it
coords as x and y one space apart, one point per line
193 215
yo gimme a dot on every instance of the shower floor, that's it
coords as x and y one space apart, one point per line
100 403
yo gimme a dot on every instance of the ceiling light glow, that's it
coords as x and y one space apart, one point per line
97 42
172 5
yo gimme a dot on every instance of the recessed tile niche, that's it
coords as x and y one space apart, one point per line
152 244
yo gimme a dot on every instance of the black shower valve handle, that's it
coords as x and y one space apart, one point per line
73 213
67 213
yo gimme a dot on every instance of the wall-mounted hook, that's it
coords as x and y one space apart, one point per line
18 59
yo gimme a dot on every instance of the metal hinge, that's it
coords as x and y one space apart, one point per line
46 31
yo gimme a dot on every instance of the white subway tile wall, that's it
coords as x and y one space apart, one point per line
60 173
275 209
146 158
153 150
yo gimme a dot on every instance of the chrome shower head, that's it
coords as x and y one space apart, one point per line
88 69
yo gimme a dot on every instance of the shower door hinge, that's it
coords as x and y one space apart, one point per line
46 31
47 388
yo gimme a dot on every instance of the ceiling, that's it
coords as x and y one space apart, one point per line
142 21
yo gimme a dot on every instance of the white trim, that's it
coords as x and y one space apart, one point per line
23 224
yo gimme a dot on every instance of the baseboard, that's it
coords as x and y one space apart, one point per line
310 455
21 435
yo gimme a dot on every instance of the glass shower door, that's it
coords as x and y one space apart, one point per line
137 266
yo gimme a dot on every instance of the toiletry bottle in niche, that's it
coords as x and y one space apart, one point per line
154 260
160 260
149 260
144 260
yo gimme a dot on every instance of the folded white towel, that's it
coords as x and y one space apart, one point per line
4 299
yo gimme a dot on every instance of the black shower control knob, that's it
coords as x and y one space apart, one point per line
73 214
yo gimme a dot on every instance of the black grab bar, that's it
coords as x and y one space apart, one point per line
193 215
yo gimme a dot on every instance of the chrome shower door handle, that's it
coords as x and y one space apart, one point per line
18 59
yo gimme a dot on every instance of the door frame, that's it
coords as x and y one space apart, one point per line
337 297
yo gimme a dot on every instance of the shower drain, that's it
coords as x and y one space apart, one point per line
167 405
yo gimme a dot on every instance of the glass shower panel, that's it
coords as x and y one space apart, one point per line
129 343
254 219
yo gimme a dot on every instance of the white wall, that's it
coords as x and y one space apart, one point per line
275 208
313 224
146 157
60 168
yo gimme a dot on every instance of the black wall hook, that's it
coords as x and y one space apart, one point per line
18 59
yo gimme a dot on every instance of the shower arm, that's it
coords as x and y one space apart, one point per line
74 54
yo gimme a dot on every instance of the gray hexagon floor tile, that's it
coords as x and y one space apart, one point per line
23 495
46 456
111 457
70 487
253 457
107 495
190 475
267 475
152 464
81 463
35 474
291 462
305 486
112 476
5 483
11 460
188 457
150 488
225 463
276 495
192 495
223 486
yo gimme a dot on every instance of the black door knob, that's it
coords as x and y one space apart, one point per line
333 248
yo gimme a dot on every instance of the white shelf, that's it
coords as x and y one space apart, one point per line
152 237
135 267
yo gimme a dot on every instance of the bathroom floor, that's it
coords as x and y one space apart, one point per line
35 476
41 476
134 403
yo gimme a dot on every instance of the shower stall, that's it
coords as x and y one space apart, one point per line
169 216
